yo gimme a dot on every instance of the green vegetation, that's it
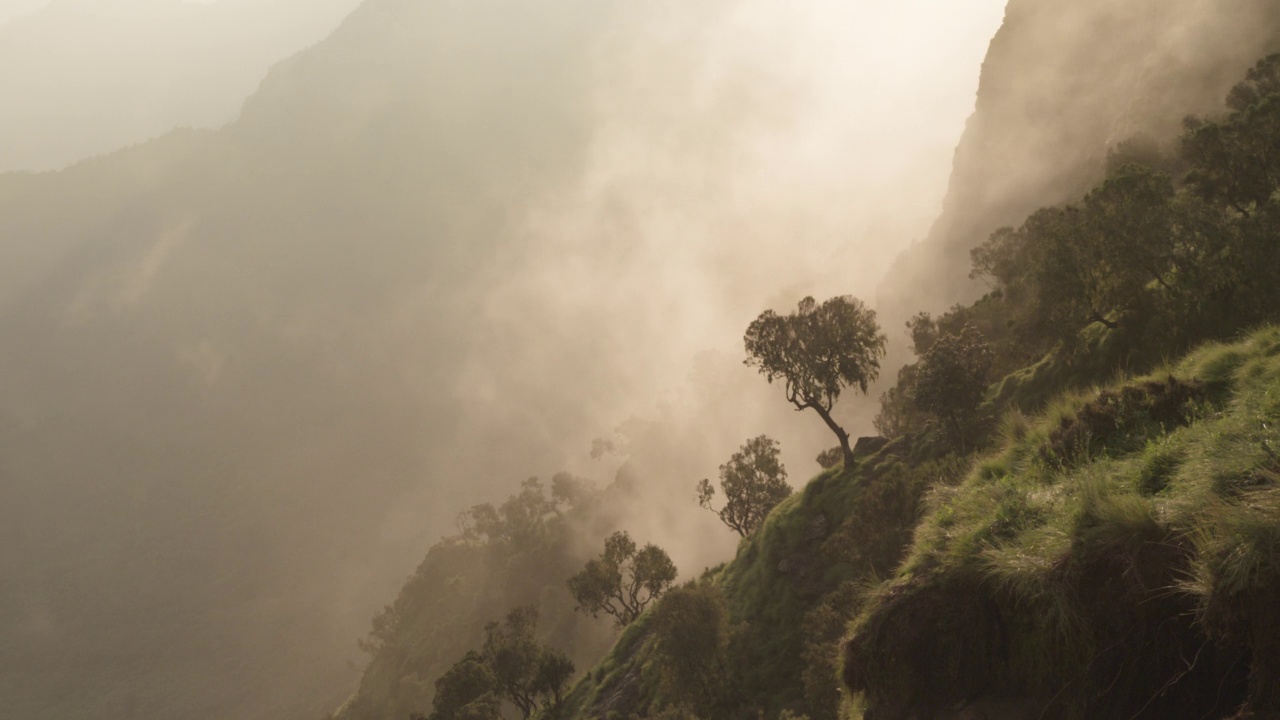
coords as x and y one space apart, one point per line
1117 568
512 667
778 610
623 581
818 350
1113 554
512 556
1060 522
754 481
951 380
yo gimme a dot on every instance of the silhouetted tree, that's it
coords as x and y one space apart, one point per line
923 331
522 516
527 674
511 667
622 581
818 351
754 481
467 691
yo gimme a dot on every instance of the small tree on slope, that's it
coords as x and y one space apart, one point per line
754 481
819 350
511 667
622 581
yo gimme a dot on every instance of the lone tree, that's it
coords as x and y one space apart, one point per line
622 581
754 481
818 350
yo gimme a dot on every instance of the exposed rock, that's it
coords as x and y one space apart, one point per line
868 445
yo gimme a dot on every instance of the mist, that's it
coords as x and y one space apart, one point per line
254 367
83 78
1061 88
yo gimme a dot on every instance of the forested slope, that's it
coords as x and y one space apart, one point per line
1062 84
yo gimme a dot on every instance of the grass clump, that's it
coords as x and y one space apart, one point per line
1122 418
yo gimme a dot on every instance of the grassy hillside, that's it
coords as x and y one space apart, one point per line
1118 556
784 600
1113 556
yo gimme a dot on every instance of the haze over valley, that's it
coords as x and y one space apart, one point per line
251 373
297 297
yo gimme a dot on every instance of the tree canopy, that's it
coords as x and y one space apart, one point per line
523 516
510 667
754 481
818 351
623 580
952 377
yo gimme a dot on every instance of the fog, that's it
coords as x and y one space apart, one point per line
1063 86
84 77
252 370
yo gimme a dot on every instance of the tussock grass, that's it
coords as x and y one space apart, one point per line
1137 520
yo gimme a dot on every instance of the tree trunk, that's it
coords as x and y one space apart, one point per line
840 433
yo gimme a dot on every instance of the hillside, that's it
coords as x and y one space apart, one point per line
1063 84
1129 577
251 372
1134 582
1061 521
1111 553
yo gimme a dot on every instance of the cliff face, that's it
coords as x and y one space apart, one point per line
1062 85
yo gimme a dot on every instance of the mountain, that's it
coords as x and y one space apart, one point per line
218 378
85 78
1062 86
251 372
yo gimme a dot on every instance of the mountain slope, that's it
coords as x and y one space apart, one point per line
202 320
1064 84
249 373
1134 581
84 78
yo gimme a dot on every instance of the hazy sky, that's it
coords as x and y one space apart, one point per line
10 9
84 77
